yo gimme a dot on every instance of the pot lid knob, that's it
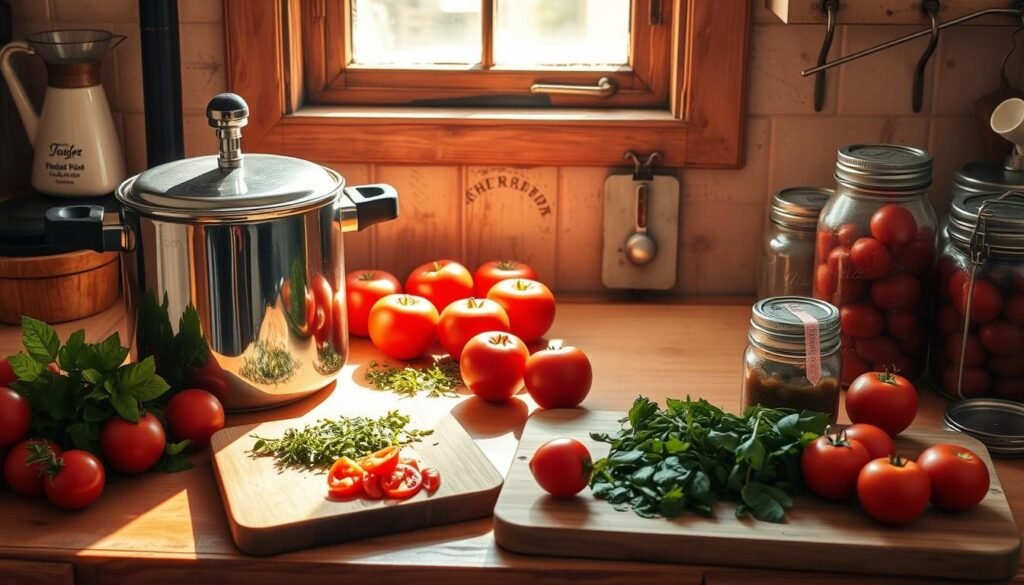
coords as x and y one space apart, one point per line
228 112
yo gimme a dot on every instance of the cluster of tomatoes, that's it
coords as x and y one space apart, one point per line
485 320
875 277
319 314
384 474
861 459
993 363
74 478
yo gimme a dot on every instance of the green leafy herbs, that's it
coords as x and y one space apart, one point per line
69 407
441 378
319 445
269 363
174 353
328 360
692 454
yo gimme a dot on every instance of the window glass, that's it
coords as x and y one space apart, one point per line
567 33
411 33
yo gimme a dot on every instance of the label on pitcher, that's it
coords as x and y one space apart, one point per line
63 166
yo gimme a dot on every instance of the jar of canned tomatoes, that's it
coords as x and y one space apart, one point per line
875 255
978 336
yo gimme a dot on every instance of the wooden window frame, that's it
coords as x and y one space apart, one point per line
326 33
703 126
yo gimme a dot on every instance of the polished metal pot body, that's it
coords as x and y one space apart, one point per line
251 286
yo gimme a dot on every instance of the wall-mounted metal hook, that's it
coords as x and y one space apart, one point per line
931 8
642 171
831 8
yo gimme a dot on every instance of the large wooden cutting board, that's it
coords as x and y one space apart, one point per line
817 535
272 511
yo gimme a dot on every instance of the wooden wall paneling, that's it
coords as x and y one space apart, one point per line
511 213
36 573
580 221
883 13
255 63
428 225
719 244
359 246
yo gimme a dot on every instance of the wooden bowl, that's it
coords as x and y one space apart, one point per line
58 288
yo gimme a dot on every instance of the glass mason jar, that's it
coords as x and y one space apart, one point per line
787 253
792 359
980 291
875 255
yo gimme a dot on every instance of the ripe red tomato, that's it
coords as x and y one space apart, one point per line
78 481
363 288
465 318
1013 309
7 376
949 321
303 316
985 304
839 262
495 271
194 415
848 233
853 365
875 440
558 377
830 466
860 320
977 381
916 257
26 478
132 447
403 326
323 296
975 355
1006 366
441 282
871 259
825 282
893 490
493 364
903 324
404 482
562 467
888 401
878 350
529 304
345 478
959 477
381 462
210 377
897 291
431 479
1002 337
893 225
826 241
848 290
15 417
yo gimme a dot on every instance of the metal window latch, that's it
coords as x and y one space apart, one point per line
642 171
606 87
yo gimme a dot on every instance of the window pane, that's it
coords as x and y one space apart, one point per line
561 32
408 33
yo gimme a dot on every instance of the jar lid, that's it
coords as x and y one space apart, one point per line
229 186
799 207
884 166
775 327
1004 226
999 424
986 177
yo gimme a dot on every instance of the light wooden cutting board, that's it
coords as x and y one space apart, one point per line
272 511
817 535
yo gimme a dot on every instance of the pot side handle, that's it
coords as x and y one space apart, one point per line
371 204
81 227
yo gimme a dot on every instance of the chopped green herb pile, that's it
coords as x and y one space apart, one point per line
269 363
692 454
321 444
441 378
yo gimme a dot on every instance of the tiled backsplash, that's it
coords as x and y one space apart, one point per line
722 210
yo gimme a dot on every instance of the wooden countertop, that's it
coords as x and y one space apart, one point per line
158 528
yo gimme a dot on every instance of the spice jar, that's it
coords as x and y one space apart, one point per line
978 330
787 254
792 358
875 255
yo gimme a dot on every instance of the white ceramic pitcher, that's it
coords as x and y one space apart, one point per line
77 151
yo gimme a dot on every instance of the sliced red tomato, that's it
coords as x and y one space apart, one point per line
410 462
371 486
345 478
431 479
403 483
382 462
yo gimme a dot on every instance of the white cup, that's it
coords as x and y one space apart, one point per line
1008 121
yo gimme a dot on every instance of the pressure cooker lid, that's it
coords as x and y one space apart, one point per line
230 184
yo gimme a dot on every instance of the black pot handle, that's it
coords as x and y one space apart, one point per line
374 203
80 227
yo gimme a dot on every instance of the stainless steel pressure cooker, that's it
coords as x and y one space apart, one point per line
233 266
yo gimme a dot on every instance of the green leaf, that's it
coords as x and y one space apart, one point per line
60 395
674 445
93 376
85 436
40 340
643 475
127 407
25 368
752 450
626 457
727 441
96 413
173 449
71 352
641 410
762 502
672 503
108 354
173 463
789 426
140 381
